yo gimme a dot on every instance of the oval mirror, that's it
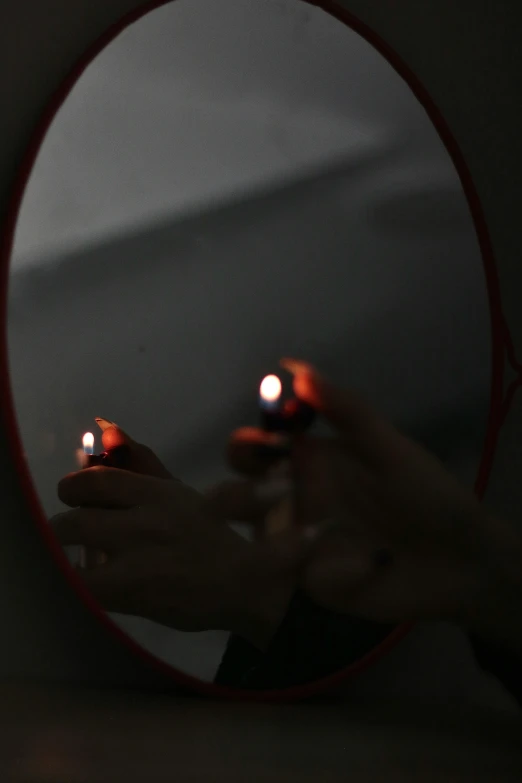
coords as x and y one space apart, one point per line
224 185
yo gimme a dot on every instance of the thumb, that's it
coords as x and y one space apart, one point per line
370 436
141 458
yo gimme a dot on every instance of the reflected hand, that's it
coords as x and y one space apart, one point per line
382 530
170 559
140 458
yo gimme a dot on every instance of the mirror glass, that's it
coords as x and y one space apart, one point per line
228 183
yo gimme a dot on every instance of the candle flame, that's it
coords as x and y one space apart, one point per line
271 388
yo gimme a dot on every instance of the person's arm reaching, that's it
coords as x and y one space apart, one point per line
390 536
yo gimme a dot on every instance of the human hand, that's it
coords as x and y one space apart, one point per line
381 530
138 457
170 558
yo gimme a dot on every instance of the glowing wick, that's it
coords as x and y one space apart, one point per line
270 391
88 443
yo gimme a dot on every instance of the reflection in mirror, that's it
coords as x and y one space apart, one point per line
228 183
